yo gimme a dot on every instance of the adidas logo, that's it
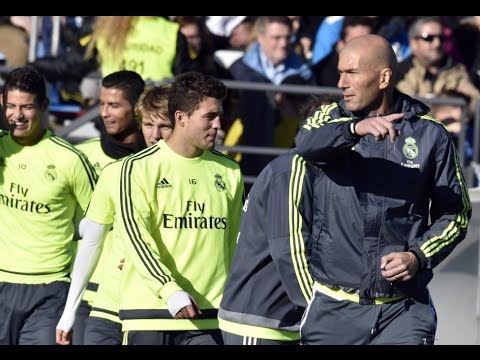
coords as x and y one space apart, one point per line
163 184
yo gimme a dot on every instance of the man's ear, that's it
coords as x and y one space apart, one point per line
385 78
180 118
44 105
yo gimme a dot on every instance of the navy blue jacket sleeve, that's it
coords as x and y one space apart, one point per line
288 217
324 133
450 208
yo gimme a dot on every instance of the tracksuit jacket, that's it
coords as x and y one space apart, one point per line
269 282
377 197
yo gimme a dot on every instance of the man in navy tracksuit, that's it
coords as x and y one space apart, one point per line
391 205
269 283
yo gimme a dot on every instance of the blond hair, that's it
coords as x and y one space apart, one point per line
113 29
154 100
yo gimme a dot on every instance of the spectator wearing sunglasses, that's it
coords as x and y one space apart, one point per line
429 71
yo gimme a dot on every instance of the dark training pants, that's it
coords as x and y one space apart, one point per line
197 337
99 331
233 339
408 321
78 330
29 313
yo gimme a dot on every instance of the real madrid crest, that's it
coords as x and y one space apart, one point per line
50 173
219 184
410 149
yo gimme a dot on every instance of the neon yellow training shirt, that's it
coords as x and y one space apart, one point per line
179 219
40 187
102 210
92 148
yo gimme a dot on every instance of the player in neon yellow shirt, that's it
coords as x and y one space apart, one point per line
180 204
43 179
120 136
103 326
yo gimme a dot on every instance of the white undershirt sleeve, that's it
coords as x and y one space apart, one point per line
85 262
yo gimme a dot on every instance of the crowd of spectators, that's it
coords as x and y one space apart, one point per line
438 57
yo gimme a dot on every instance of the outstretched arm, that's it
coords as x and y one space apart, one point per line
85 263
